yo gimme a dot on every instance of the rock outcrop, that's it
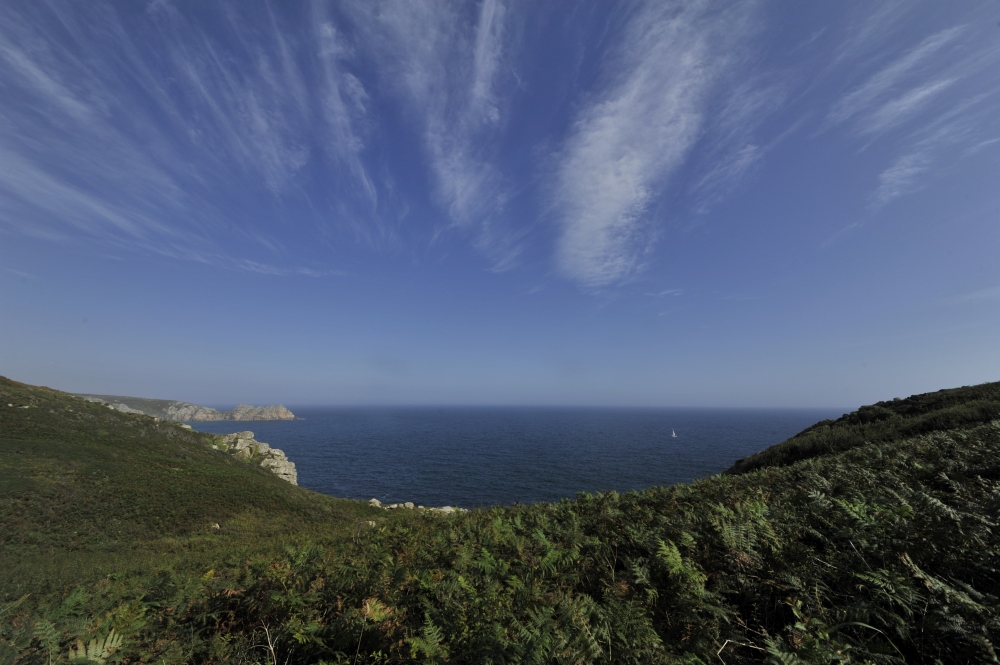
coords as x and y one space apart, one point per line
243 446
185 412
408 505
165 409
247 412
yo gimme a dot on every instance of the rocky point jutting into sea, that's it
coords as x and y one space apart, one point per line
243 446
166 409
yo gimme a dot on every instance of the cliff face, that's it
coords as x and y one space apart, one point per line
165 409
242 445
247 412
184 412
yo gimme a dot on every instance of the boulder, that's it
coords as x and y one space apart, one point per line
375 503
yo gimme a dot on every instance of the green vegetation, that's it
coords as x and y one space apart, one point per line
86 490
151 407
872 538
883 422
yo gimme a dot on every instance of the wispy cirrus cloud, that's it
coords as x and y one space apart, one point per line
954 133
871 29
732 150
883 83
635 133
665 293
981 145
445 61
917 97
20 273
726 172
343 99
904 107
131 128
901 177
257 136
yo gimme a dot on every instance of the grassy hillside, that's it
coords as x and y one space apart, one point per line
880 552
882 422
86 490
151 407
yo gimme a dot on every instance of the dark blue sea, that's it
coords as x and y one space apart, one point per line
470 456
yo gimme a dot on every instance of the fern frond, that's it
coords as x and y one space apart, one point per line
97 650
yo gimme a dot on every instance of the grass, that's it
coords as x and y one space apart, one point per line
870 539
883 422
86 491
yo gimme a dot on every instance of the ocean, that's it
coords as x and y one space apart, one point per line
473 456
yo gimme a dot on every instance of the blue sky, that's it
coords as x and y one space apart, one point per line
644 203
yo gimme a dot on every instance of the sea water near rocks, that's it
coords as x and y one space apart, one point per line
471 456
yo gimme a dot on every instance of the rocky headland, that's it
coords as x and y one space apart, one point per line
243 446
166 409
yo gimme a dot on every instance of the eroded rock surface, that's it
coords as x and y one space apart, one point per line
247 412
408 505
243 446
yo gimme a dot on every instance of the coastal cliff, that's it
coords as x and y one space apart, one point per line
165 409
243 446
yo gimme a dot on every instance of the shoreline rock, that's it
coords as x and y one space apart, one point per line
243 446
408 505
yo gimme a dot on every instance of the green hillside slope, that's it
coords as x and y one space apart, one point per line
86 490
151 407
881 422
879 552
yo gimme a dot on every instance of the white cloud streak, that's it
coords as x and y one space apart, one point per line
635 134
900 178
954 128
872 30
665 293
123 127
445 65
982 145
731 150
343 99
884 81
124 132
898 110
726 173
918 97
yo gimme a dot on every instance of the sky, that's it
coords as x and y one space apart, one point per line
662 203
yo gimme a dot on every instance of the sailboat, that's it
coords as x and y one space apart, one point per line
673 434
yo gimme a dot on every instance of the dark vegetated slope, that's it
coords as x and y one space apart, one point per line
881 422
883 553
81 483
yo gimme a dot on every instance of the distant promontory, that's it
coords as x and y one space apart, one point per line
166 409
